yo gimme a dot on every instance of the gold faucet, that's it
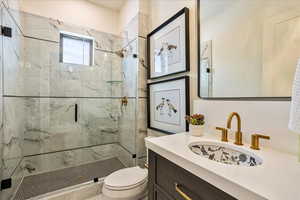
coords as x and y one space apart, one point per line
224 134
255 140
238 133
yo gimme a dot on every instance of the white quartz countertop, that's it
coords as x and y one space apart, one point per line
278 178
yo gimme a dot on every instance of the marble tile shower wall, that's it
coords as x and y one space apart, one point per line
41 73
65 159
50 124
35 124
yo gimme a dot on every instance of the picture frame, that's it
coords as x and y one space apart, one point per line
168 105
168 47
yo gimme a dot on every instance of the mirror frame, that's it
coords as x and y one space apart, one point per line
199 70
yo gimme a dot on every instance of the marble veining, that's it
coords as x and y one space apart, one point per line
130 71
65 159
32 67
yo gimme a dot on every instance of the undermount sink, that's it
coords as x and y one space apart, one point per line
225 153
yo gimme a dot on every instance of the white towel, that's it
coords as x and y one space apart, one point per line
294 123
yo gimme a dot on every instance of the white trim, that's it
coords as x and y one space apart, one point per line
83 37
77 35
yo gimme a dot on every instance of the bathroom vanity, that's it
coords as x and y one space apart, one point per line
168 181
178 172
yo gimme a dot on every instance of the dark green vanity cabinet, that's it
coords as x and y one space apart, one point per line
164 175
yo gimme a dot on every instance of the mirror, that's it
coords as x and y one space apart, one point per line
248 48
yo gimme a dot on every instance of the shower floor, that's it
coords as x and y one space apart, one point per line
39 184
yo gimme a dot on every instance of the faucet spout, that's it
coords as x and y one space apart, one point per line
238 120
238 134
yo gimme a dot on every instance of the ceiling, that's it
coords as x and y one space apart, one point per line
112 4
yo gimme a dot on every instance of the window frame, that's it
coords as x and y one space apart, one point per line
75 36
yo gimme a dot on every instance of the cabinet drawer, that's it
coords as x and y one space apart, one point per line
168 174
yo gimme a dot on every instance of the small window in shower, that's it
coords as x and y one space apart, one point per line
76 49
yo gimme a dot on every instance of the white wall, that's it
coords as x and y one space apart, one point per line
128 11
264 117
76 12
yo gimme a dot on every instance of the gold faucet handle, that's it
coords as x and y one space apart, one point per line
255 140
224 134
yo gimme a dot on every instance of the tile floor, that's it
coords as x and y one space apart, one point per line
36 185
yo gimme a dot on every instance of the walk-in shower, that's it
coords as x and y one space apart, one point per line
64 123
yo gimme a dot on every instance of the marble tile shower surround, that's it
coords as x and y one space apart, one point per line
35 125
48 29
13 128
142 68
47 134
37 71
130 65
59 160
49 124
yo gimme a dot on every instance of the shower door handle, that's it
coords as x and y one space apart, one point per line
6 31
76 112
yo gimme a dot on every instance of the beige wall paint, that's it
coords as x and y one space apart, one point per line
264 117
128 11
76 12
160 11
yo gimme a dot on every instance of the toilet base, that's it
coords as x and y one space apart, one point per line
140 197
133 194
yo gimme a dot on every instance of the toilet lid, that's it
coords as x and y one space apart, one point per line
126 178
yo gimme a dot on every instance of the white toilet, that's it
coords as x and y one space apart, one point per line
126 184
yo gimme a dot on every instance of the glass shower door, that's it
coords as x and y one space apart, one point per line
1 100
12 110
60 116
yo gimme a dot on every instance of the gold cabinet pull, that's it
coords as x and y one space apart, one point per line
185 196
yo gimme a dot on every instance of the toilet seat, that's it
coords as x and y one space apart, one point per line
125 187
128 183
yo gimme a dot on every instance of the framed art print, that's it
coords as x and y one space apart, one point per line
168 104
168 46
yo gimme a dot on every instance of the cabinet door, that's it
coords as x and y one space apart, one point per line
160 195
175 181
